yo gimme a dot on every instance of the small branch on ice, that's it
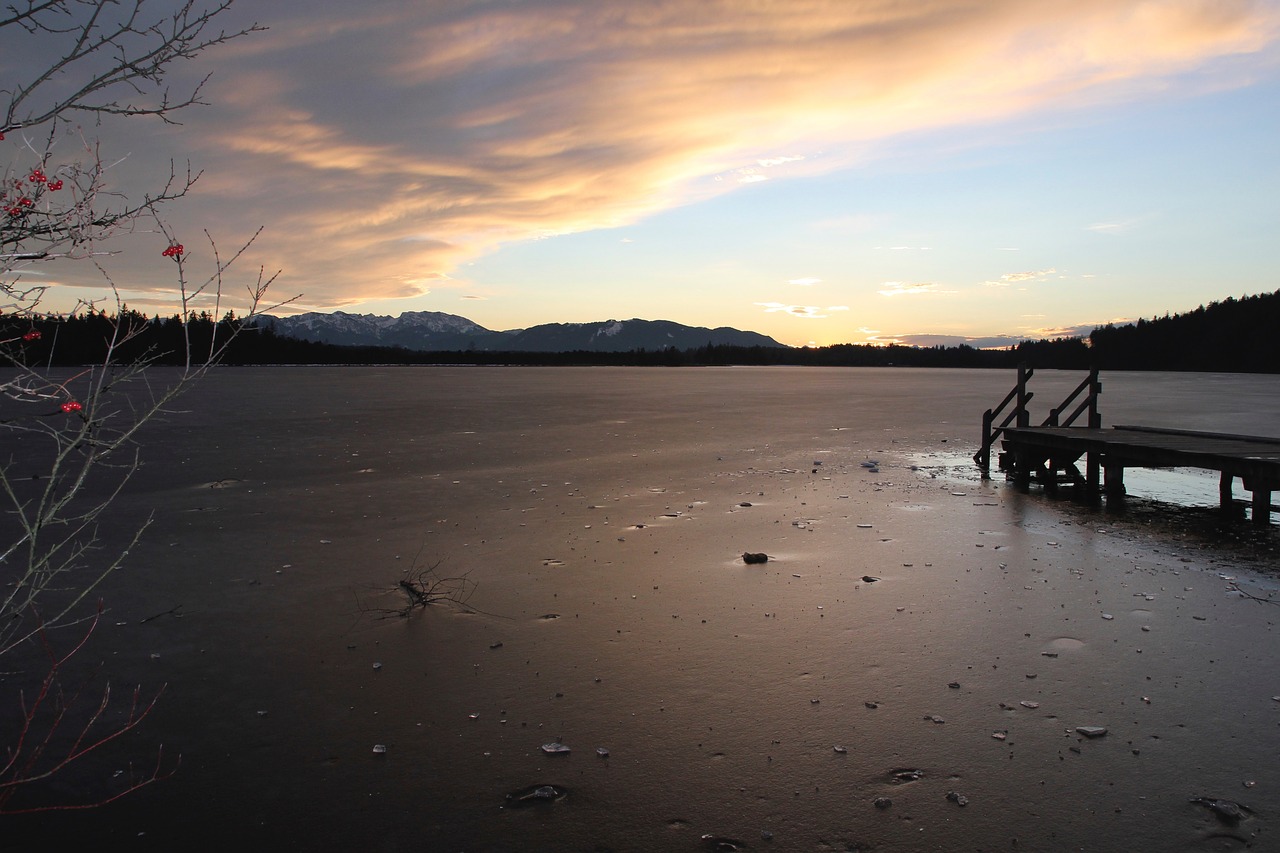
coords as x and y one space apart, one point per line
427 587
1261 599
173 611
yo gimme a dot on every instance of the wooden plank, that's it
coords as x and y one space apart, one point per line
1257 439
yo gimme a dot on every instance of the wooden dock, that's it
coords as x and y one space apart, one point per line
1049 453
1043 452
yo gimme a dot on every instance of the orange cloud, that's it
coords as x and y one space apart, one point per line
449 129
897 288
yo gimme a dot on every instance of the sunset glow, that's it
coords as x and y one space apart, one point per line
935 170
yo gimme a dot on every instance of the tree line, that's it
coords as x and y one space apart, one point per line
1234 335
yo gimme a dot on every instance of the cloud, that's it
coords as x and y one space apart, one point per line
1011 278
980 342
1081 330
804 312
1051 333
933 340
1033 275
805 282
448 129
779 161
1116 227
897 288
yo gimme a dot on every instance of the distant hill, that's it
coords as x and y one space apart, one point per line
1235 335
433 331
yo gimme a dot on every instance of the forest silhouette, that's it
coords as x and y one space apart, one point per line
1234 336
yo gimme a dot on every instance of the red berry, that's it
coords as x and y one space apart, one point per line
32 335
71 406
55 185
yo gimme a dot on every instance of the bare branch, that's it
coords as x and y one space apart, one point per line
120 51
425 587
68 439
1269 598
40 750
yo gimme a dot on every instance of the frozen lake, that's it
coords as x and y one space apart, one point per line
601 515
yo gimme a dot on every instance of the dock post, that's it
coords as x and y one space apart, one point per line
1092 475
1047 473
984 455
1114 484
1261 506
1021 468
1095 388
1225 497
1024 417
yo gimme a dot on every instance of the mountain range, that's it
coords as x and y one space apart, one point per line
437 331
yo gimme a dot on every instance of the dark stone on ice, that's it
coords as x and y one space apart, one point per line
869 579
752 558
1227 811
882 803
536 795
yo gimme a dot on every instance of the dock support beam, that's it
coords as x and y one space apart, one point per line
983 456
1261 506
1021 468
1114 483
1024 416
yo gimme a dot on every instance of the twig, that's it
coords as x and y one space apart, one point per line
1261 599
426 587
171 611
38 752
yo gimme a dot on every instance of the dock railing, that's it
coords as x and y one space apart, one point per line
1020 415
1088 404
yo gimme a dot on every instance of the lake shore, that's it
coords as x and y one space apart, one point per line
917 636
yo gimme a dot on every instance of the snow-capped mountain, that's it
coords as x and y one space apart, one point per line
434 330
412 329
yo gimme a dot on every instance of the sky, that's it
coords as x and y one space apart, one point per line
821 171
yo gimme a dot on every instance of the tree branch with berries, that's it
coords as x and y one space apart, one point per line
69 437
